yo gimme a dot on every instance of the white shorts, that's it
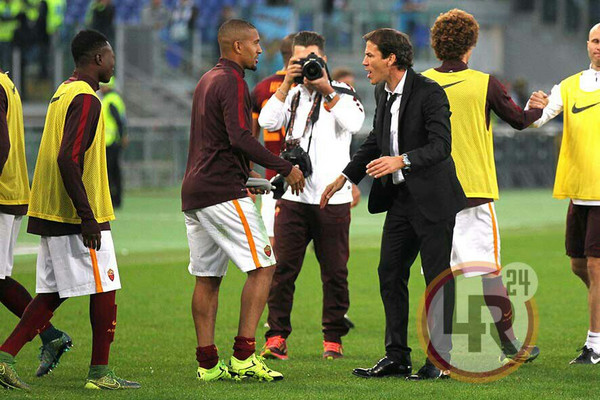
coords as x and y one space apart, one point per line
476 241
267 210
66 266
9 230
232 230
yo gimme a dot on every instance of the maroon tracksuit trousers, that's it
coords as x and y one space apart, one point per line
296 224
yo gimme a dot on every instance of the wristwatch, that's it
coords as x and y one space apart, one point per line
329 98
406 161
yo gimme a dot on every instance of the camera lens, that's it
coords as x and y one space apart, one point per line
312 70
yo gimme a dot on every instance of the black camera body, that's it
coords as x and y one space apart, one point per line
312 68
297 156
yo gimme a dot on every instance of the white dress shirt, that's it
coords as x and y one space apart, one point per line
589 82
331 138
397 177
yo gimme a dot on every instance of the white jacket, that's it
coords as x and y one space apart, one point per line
331 137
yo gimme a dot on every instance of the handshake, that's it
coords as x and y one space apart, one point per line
279 184
538 99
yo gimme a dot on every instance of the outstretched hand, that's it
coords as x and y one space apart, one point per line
331 189
296 180
355 196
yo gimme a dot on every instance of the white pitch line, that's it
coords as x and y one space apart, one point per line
26 249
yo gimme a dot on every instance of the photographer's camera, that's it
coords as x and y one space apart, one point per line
312 68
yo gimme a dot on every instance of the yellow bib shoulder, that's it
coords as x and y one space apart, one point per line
49 198
578 170
472 140
14 182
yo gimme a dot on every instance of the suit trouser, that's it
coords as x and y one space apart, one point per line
296 224
406 233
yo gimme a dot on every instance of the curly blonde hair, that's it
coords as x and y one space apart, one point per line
453 34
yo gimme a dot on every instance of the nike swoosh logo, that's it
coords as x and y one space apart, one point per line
576 109
595 360
451 84
55 99
14 89
112 385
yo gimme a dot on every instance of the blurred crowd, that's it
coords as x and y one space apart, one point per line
27 28
28 25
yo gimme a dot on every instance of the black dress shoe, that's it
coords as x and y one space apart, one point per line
384 367
429 372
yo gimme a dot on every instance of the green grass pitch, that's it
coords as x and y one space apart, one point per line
155 340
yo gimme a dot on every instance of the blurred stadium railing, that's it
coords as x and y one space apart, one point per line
157 154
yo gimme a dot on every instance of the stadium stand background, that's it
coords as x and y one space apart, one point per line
528 44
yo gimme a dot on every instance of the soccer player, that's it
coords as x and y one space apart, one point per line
272 139
472 95
578 178
70 208
14 197
222 222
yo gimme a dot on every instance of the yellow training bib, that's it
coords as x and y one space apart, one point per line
14 182
472 141
578 170
49 198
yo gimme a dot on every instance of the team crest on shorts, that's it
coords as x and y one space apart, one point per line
268 250
277 210
111 274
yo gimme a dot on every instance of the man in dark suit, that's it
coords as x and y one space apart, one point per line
408 154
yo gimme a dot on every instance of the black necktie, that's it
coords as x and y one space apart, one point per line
387 134
387 125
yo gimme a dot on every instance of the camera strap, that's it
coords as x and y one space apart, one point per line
312 117
343 90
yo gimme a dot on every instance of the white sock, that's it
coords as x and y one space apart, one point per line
593 341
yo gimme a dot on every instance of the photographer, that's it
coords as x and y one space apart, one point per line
319 116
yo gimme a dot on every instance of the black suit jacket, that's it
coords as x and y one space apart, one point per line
424 135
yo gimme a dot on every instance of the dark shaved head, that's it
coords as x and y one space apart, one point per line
239 42
233 30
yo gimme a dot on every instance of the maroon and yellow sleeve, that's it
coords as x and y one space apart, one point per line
80 128
503 105
4 138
